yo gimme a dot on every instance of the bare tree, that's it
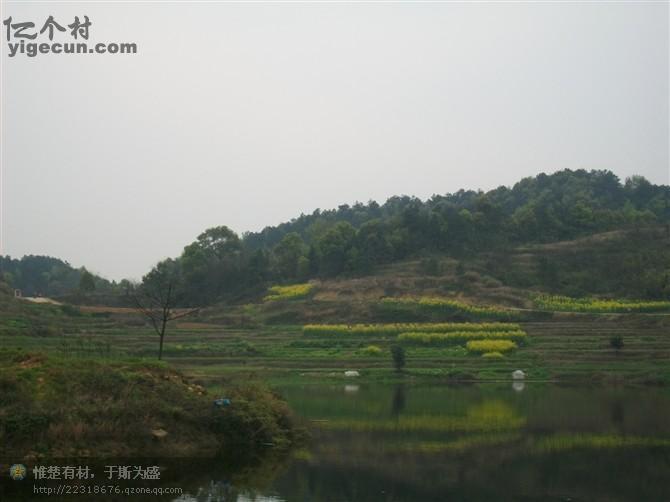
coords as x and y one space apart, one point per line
155 298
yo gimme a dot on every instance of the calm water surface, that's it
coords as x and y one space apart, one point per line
487 442
388 443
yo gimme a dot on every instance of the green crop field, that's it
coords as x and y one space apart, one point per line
595 305
564 348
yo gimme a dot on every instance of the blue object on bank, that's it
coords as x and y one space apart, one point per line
222 402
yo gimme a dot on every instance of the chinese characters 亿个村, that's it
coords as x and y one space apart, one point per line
25 30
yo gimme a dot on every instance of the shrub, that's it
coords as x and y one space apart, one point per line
616 342
490 346
371 350
430 266
70 310
285 317
398 357
256 417
45 330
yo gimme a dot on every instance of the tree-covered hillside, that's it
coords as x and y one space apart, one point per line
545 208
483 227
354 240
47 276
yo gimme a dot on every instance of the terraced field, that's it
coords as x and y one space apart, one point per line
565 348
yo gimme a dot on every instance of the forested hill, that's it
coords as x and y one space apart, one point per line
545 208
48 276
354 240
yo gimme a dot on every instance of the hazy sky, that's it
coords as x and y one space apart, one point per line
249 114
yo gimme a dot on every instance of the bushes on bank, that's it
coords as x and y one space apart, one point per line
371 351
54 409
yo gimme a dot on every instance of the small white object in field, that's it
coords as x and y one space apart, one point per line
350 389
518 386
351 374
518 375
159 433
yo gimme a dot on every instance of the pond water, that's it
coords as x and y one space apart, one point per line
390 443
486 442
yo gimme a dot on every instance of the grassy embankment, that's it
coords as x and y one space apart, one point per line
70 388
50 407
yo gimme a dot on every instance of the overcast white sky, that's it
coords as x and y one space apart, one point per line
249 114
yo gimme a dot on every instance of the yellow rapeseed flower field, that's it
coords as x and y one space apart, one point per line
490 346
595 305
292 292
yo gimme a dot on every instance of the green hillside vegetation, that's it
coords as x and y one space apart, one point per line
52 409
471 286
516 236
572 233
54 278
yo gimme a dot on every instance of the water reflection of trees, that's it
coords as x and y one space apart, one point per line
398 401
230 479
474 444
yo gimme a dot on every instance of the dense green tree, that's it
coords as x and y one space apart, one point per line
335 248
373 246
288 253
304 267
212 266
86 282
259 269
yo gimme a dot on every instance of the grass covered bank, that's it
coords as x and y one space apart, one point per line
57 408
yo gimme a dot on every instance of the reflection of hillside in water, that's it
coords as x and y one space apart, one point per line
477 443
550 420
491 415
405 443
